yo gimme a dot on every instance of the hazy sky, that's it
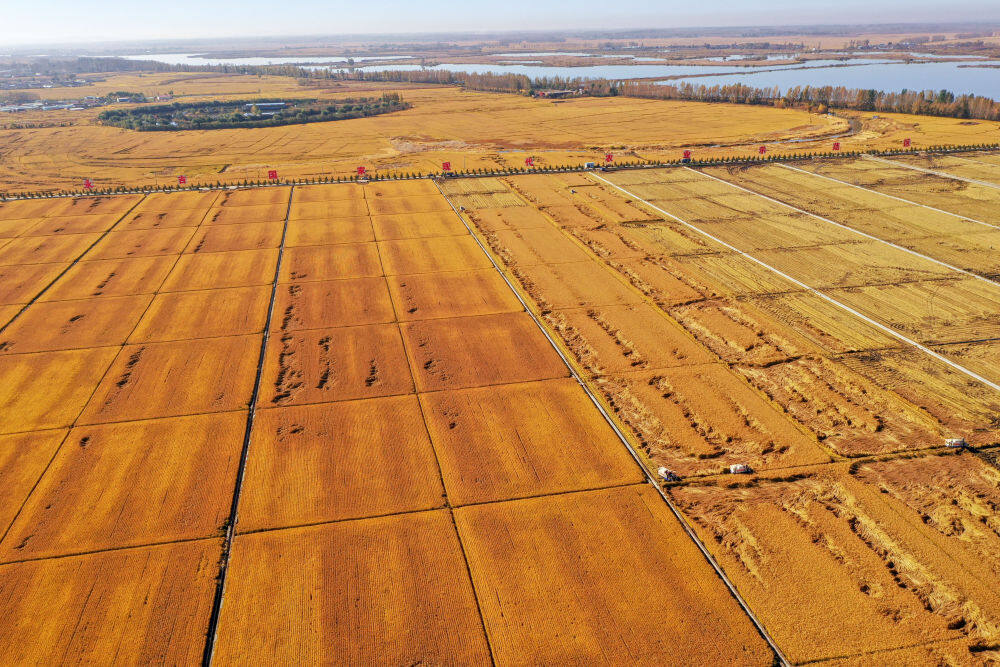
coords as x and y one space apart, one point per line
42 21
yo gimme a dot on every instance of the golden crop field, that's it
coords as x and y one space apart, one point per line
362 384
827 335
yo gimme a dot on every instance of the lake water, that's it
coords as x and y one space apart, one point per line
887 74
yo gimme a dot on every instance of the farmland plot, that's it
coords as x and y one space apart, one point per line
385 590
65 325
526 560
331 303
83 606
108 473
890 577
322 365
215 270
212 375
142 243
477 351
450 294
517 440
316 463
203 314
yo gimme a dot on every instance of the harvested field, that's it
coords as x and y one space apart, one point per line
638 574
203 314
739 333
111 277
541 245
963 408
354 260
612 339
521 217
23 459
344 589
212 375
352 459
322 365
451 294
216 270
332 303
697 420
84 607
48 389
423 255
110 472
850 414
573 285
496 443
479 351
326 232
827 544
249 236
66 325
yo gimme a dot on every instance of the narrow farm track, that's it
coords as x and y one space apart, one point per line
625 441
220 591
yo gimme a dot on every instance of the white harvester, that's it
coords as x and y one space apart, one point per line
740 469
956 443
668 475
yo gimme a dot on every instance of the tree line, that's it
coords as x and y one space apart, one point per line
218 114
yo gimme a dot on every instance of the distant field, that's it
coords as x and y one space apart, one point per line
469 129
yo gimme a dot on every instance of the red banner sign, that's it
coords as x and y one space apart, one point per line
836 145
87 185
182 180
272 174
906 143
762 150
687 155
530 161
609 158
446 166
361 171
